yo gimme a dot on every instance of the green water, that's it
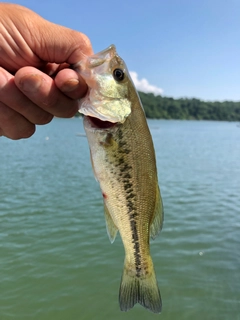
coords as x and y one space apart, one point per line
56 262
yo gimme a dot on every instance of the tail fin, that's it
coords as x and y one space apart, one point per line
143 290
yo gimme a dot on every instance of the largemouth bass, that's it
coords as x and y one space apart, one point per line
123 161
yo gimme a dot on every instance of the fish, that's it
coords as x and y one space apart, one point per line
124 164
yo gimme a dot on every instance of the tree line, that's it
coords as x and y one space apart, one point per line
158 107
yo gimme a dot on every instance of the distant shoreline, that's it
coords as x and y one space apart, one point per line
158 107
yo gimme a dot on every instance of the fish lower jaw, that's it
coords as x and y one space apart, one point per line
96 123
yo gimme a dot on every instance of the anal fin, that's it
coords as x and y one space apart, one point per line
157 221
111 227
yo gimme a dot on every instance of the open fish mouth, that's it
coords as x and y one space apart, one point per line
97 123
108 80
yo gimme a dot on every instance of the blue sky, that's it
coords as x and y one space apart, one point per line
187 48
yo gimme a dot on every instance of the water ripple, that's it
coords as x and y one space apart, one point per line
56 258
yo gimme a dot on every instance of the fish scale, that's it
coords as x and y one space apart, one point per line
125 177
124 164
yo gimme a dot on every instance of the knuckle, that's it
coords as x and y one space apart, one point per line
28 132
50 103
4 77
23 133
82 43
44 119
86 41
70 112
13 125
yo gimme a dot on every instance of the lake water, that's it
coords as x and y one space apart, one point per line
56 262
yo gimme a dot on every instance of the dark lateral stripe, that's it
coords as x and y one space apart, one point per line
135 238
125 175
136 247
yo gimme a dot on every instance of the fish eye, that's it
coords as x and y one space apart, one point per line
118 74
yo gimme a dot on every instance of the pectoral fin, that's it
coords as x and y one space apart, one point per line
157 221
111 227
93 168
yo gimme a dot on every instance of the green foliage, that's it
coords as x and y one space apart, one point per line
159 107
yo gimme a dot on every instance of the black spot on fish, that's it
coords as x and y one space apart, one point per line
120 161
122 143
133 215
134 229
120 134
130 196
108 140
130 206
136 247
127 186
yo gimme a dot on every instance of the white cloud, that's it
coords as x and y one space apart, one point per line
144 86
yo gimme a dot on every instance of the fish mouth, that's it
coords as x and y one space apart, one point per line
96 123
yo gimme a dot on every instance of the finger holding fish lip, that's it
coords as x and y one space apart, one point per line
71 83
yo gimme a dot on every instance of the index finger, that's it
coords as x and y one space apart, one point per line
71 83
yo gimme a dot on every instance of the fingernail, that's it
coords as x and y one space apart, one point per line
31 83
70 85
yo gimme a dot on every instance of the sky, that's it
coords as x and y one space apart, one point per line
176 48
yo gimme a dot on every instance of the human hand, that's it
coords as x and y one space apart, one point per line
35 81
